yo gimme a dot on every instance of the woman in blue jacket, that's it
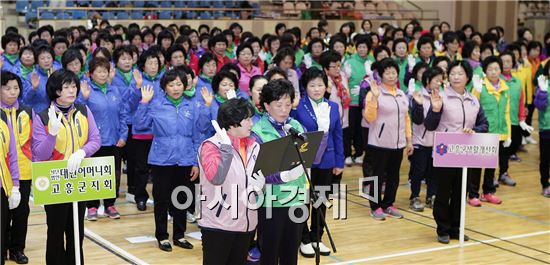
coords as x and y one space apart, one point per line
173 154
110 113
315 113
149 75
208 66
34 88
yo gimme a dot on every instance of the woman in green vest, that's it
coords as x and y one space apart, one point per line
279 234
494 97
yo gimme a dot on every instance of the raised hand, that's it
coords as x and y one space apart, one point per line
477 82
411 86
368 68
207 96
35 80
374 88
543 83
85 89
222 133
231 94
147 93
138 78
54 121
411 62
436 101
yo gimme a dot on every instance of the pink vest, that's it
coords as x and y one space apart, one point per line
421 136
238 217
388 130
458 113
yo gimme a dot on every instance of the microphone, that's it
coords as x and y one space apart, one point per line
295 133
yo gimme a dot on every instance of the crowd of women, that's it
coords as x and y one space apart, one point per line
181 106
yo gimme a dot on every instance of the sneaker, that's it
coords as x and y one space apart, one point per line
254 255
112 212
358 160
393 212
530 140
307 250
323 250
348 161
430 202
416 205
523 141
546 192
515 158
507 180
475 202
490 198
130 197
378 214
92 214
190 218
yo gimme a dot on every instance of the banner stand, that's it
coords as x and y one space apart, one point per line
76 233
463 206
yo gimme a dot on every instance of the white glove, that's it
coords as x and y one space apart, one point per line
307 61
323 118
543 83
292 174
524 126
381 31
74 160
412 86
347 69
54 123
507 142
231 94
368 66
355 91
411 62
222 133
15 198
257 180
478 84
438 46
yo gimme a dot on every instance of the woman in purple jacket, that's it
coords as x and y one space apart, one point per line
454 111
54 131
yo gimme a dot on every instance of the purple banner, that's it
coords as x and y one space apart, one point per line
478 150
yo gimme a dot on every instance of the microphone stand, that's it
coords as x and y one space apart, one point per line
313 198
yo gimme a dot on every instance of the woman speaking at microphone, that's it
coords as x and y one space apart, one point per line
278 233
454 111
227 159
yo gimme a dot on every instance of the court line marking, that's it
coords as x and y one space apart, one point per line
113 247
420 251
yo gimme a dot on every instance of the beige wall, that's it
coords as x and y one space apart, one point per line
486 14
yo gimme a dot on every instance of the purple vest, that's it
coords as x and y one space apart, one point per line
458 113
421 136
388 130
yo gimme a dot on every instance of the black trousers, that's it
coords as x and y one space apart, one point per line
353 136
385 164
474 175
19 218
278 237
224 248
517 135
529 118
4 215
544 166
365 137
141 169
447 201
165 180
319 178
109 151
191 186
60 242
130 156
422 167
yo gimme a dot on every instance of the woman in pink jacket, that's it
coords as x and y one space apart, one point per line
226 162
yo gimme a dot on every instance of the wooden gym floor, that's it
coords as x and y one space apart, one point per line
515 232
